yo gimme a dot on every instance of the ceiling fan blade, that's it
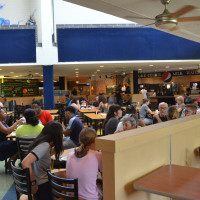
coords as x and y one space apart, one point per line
188 19
182 11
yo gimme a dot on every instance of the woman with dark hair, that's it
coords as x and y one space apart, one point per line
112 119
39 158
84 164
103 104
75 103
8 148
32 126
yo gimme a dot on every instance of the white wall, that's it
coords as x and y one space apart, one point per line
68 13
15 10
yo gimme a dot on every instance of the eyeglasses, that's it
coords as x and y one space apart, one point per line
187 111
162 108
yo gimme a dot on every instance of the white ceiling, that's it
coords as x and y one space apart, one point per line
124 9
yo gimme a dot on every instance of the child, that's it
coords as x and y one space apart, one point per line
84 164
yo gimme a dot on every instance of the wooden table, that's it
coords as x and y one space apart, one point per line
95 118
86 110
178 182
52 111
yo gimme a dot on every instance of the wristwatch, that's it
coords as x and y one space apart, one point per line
33 182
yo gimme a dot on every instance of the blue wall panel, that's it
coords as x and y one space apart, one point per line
108 44
17 46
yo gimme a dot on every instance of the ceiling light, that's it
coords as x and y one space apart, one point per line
101 66
42 81
0 69
11 72
93 75
98 70
77 82
167 67
180 68
36 73
77 72
150 65
76 69
54 81
40 75
139 69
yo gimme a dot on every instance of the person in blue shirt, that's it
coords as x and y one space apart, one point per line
73 129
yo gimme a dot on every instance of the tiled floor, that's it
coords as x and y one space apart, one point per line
6 180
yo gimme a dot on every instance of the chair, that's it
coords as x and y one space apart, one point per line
57 187
23 145
22 181
4 156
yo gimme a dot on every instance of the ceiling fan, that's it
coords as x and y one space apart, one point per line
168 20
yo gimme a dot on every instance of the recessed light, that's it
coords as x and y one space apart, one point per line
180 68
40 75
98 70
139 69
101 66
36 73
76 69
77 72
167 67
0 69
93 75
11 72
150 65
42 81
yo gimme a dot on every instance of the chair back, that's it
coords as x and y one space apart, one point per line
23 145
22 181
60 189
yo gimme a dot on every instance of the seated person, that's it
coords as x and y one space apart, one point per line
130 111
188 99
32 127
84 163
112 119
75 103
8 148
180 104
162 116
111 99
103 106
144 110
128 123
127 100
190 110
73 130
172 113
43 115
96 103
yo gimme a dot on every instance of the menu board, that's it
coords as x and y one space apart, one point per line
19 87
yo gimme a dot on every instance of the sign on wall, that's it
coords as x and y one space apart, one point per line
173 73
19 87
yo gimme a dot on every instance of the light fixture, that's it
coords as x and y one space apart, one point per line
101 66
180 68
98 70
36 73
77 72
167 67
12 72
139 69
76 69
150 65
168 86
0 69
77 82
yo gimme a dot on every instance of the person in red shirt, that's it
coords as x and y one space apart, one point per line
43 115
